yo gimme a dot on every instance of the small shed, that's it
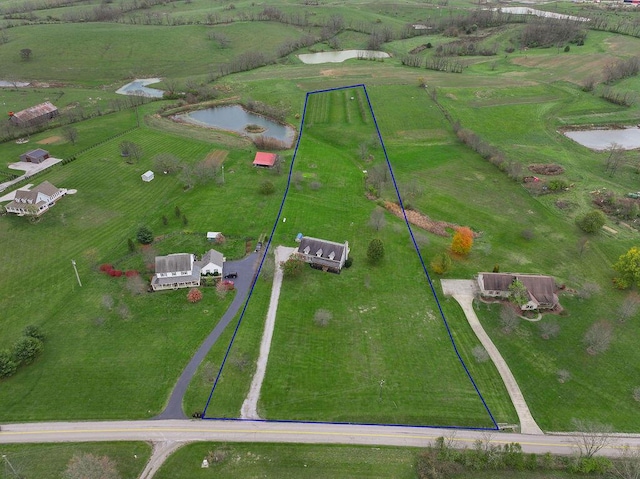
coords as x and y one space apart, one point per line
265 160
35 156
299 237
147 176
213 235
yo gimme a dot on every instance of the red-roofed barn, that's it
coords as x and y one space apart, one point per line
265 160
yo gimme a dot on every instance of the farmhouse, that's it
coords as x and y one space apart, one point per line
175 271
541 289
265 160
34 115
35 156
36 201
212 262
323 254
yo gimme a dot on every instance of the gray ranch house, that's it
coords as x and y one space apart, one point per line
212 262
542 289
179 270
36 201
323 254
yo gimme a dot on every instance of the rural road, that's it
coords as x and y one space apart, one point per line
246 269
177 432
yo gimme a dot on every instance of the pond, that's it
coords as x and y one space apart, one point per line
13 84
628 138
139 88
540 13
235 118
339 57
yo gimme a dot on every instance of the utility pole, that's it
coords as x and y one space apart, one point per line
380 391
73 262
223 174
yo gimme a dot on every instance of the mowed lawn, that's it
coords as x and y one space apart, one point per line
97 363
384 354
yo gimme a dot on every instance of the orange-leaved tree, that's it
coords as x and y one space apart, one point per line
462 241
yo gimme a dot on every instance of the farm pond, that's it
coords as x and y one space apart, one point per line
237 119
627 138
340 56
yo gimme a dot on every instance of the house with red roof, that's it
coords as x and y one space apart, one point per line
265 160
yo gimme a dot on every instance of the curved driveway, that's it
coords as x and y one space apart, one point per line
246 269
463 291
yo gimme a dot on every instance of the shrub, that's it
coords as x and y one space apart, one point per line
267 188
105 268
598 337
348 263
480 354
131 272
462 241
292 268
26 349
563 375
144 235
441 263
591 222
375 251
194 295
7 365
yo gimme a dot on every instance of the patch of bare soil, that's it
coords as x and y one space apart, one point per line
423 221
50 140
216 158
546 169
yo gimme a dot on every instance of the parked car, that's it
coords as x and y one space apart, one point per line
231 275
259 246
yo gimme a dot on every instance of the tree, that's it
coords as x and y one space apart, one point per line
480 354
33 331
25 53
508 318
519 292
185 221
462 241
131 245
194 295
70 133
144 235
377 220
375 251
629 307
614 159
591 222
88 466
292 268
549 329
26 349
8 366
131 151
590 437
441 263
627 464
598 337
107 301
628 268
322 317
167 163
136 285
177 212
267 188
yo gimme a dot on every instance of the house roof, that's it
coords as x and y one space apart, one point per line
321 248
194 276
212 256
173 263
541 288
36 111
213 234
37 153
30 196
264 159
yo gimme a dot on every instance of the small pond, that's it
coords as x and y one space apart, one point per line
13 84
540 13
235 118
339 57
628 138
139 88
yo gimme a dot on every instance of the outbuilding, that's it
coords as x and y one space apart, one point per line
147 176
265 160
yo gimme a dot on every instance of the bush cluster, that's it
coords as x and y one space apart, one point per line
24 351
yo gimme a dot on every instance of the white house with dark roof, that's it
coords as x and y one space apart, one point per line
179 270
212 262
323 254
36 201
541 289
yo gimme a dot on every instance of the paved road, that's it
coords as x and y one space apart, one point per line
246 269
176 432
463 291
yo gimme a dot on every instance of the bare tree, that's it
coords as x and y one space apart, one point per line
590 437
70 133
107 301
598 337
549 330
123 311
88 466
629 307
167 163
136 285
615 158
627 465
508 318
322 317
588 290
563 375
377 220
480 354
25 53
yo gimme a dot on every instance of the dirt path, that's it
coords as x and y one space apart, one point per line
249 408
463 291
161 451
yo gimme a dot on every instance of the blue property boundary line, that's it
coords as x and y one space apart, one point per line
415 245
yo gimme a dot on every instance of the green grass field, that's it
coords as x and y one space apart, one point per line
517 104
